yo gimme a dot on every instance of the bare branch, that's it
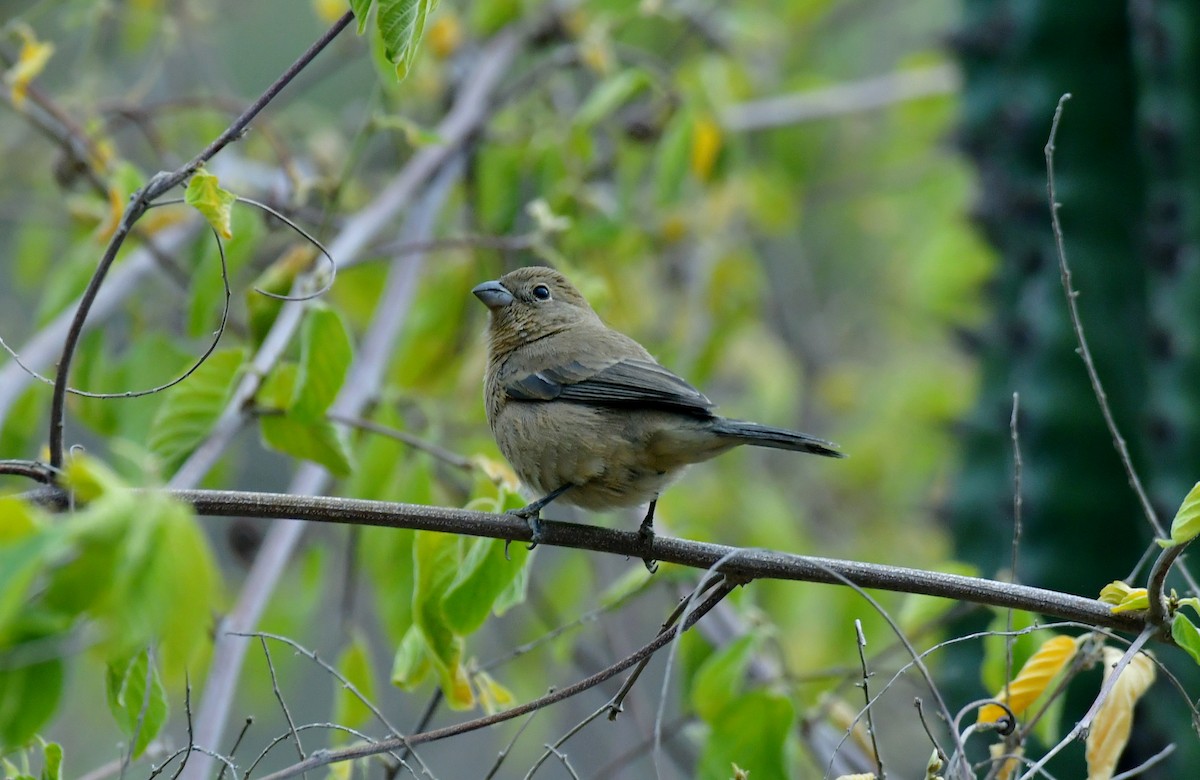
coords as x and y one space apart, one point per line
853 97
1084 353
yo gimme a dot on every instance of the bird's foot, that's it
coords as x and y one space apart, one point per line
532 515
646 538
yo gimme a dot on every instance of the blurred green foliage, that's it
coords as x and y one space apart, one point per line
807 275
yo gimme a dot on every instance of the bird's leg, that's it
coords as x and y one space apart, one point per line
532 514
646 533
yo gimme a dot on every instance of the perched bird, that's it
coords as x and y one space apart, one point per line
585 414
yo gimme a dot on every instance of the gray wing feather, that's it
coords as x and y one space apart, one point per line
629 382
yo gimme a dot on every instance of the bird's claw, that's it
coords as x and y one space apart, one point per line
646 537
534 520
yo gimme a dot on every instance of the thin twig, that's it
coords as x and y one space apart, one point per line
359 751
503 754
246 724
567 764
279 697
553 748
1084 353
187 711
416 442
1157 758
866 676
1014 433
346 684
614 705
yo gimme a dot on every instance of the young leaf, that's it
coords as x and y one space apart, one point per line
1033 679
318 441
674 151
325 355
31 60
401 24
204 193
360 9
191 407
410 666
493 696
1110 730
611 94
706 145
436 562
1186 524
137 699
1185 634
52 754
28 698
355 665
719 678
752 732
20 563
482 577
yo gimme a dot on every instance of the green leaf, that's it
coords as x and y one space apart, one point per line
325 355
190 408
611 94
52 753
137 699
751 732
436 562
28 698
1186 524
355 665
481 578
401 24
318 441
411 664
20 563
204 193
674 154
1186 636
414 134
360 9
719 678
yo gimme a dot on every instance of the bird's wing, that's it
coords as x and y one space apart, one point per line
625 382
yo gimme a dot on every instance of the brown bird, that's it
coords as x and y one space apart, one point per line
585 414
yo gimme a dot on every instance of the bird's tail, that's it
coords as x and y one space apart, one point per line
779 438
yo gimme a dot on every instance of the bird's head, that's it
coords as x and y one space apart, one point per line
531 303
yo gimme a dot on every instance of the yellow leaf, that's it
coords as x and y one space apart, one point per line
493 696
1115 592
329 11
30 62
112 218
445 35
1032 680
1110 730
204 193
1009 760
706 144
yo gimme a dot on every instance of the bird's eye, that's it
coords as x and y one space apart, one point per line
541 292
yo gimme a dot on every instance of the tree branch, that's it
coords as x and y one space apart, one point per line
749 564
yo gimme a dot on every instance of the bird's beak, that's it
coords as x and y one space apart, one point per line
493 294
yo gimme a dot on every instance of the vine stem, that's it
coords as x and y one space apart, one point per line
159 184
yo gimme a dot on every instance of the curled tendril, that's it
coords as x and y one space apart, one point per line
220 331
311 239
